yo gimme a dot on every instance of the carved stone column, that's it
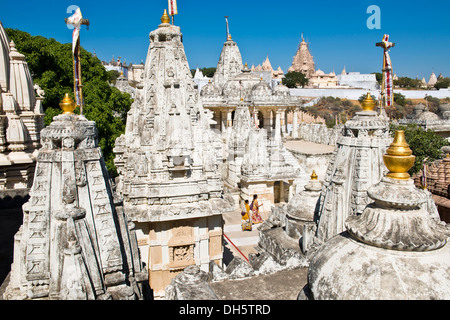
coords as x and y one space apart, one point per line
295 124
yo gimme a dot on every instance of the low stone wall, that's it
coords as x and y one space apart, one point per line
319 133
354 94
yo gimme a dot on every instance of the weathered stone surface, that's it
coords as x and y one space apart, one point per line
357 164
73 243
319 133
284 249
238 268
229 65
355 271
191 284
216 272
168 164
393 250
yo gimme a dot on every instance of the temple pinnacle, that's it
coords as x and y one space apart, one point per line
67 105
398 158
165 17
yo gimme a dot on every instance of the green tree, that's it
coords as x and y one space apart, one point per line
405 82
362 97
112 76
442 83
425 144
51 66
207 72
294 78
399 99
378 76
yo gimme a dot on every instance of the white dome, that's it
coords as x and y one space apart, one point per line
281 89
209 90
262 89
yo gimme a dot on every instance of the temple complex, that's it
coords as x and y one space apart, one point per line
320 79
394 250
303 60
194 149
21 120
169 166
266 71
74 243
258 163
252 118
269 107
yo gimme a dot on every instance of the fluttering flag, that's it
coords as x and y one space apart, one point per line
388 82
75 20
173 7
228 29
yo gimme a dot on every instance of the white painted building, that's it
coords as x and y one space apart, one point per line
355 94
358 80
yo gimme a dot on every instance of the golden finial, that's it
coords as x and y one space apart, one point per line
398 157
165 17
368 104
67 105
314 176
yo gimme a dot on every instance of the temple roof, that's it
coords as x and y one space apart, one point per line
4 59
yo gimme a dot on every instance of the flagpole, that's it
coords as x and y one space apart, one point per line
78 91
79 84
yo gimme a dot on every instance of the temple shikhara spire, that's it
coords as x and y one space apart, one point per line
168 164
76 20
387 94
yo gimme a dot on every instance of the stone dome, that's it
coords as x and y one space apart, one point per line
319 73
303 204
444 107
209 90
428 116
262 89
301 209
245 80
281 90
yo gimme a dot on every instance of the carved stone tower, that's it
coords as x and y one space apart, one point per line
303 60
168 162
357 164
74 243
230 63
21 120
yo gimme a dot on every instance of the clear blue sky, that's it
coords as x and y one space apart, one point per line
336 30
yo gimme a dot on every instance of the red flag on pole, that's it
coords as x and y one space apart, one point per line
173 7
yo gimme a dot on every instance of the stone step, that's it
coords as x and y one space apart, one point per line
237 228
